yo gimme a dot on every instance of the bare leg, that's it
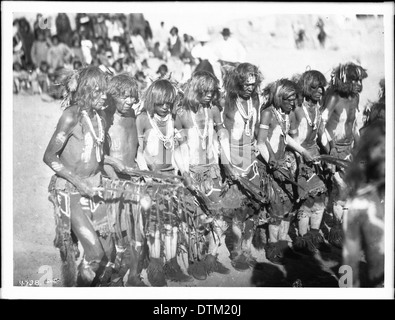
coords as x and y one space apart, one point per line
95 256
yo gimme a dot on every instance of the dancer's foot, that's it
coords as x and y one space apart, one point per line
155 273
213 265
173 271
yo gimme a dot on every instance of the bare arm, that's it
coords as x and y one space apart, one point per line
181 150
140 129
223 136
263 132
294 125
329 106
135 141
59 139
298 148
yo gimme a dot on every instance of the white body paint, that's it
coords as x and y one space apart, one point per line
61 136
340 131
302 131
238 127
57 166
86 154
152 146
275 139
87 235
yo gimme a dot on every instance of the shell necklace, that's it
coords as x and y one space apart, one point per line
98 139
307 115
203 135
168 139
283 122
246 117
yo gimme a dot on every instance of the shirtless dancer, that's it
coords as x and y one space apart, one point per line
155 127
273 137
197 160
123 143
306 128
340 107
240 119
75 153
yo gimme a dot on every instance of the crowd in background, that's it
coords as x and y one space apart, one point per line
120 42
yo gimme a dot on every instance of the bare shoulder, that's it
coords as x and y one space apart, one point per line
69 118
297 114
266 116
182 117
331 99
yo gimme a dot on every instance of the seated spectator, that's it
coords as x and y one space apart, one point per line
43 77
130 65
20 78
86 46
141 81
59 54
157 52
77 65
117 66
139 45
162 71
77 50
102 56
40 47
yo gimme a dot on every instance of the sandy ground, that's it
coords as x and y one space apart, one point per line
34 122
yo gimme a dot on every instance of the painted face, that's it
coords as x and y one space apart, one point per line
288 102
163 109
316 91
98 99
356 85
206 96
125 103
248 87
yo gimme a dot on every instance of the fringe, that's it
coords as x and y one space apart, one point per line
155 273
259 239
336 236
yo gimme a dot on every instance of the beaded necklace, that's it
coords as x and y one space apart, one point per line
283 122
203 135
168 139
246 117
98 139
312 124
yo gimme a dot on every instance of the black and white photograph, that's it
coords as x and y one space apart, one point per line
197 150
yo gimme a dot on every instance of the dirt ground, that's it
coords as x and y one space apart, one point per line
33 223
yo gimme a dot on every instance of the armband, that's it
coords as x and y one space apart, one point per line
264 126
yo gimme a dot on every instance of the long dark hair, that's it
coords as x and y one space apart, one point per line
342 76
234 79
160 91
200 82
276 90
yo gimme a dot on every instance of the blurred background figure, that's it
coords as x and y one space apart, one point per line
161 35
299 32
139 45
40 47
174 43
63 29
321 33
20 78
59 54
230 49
162 71
363 225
